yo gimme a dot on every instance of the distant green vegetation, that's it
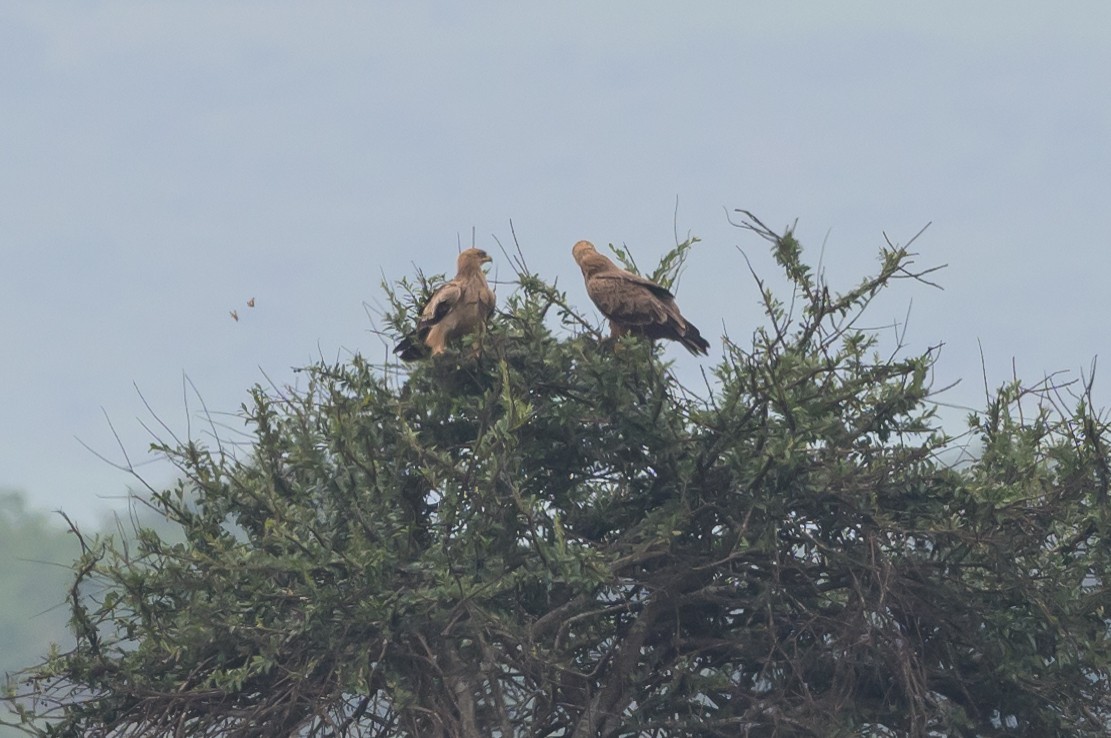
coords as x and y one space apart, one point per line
36 552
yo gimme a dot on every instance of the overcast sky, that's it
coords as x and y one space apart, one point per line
162 163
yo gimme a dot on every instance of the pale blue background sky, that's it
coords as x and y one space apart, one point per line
160 163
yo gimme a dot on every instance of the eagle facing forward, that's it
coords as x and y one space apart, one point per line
634 304
456 308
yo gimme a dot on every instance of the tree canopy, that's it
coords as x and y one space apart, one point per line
555 537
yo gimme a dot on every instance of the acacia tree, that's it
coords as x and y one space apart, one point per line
555 538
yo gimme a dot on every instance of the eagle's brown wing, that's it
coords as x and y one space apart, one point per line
634 304
436 310
440 304
628 302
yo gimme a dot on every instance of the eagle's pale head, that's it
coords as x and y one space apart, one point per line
472 259
589 260
581 249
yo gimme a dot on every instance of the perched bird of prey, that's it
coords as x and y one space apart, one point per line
458 307
634 304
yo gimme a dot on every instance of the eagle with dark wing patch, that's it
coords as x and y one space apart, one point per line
634 304
456 308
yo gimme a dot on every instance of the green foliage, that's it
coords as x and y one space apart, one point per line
556 538
670 268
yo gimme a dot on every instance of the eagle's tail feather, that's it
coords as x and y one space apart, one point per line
693 341
410 348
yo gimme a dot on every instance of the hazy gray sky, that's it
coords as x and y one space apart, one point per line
161 163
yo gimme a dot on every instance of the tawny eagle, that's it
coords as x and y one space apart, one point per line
456 308
634 304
